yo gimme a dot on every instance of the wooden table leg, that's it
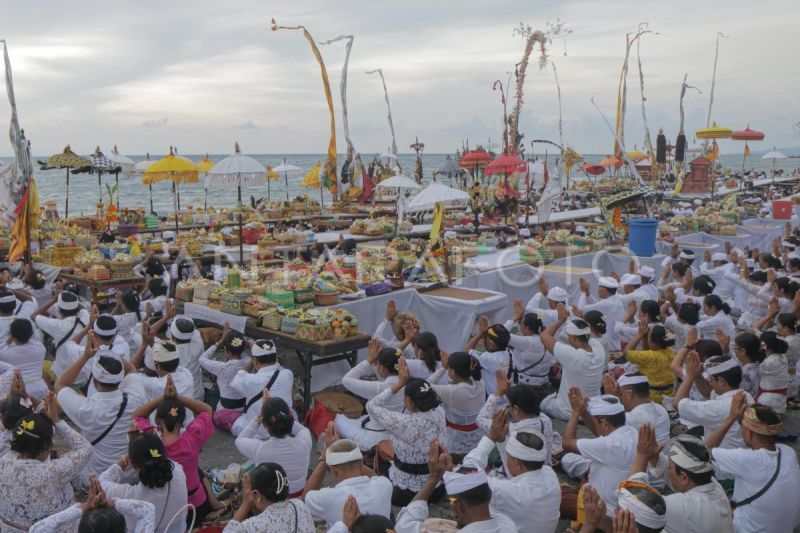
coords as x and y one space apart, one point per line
306 358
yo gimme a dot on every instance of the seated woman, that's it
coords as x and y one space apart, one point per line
463 399
530 361
25 352
288 443
429 358
403 333
627 328
411 432
36 284
34 486
231 402
161 482
127 311
360 380
155 297
265 495
184 447
655 361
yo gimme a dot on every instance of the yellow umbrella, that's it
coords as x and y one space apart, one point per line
203 166
637 155
714 132
271 176
174 168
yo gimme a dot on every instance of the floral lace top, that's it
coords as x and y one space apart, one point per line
143 514
411 434
32 490
290 516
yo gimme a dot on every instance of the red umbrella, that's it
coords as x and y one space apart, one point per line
475 158
505 164
747 135
594 170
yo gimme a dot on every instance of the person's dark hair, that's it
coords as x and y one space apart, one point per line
651 309
422 395
102 520
349 246
154 267
759 276
596 321
157 287
530 440
751 345
106 322
389 358
499 335
704 285
172 412
12 410
774 343
788 286
701 453
788 320
270 480
111 365
688 252
659 337
428 344
464 365
8 307
641 390
794 263
582 324
732 376
132 303
533 322
715 302
612 291
526 398
154 319
689 313
767 415
235 348
29 441
169 366
706 348
476 496
277 417
69 297
771 261
36 279
680 268
372 523
21 330
184 325
146 452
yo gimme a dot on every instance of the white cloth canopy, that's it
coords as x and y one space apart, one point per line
437 192
142 166
286 167
125 163
398 182
236 170
774 154
387 155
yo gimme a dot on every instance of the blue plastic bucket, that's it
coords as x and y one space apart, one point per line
642 236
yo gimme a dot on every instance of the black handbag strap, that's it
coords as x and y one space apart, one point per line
764 489
255 398
66 337
122 407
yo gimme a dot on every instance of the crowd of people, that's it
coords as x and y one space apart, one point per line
669 388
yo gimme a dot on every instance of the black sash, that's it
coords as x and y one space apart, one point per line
255 398
228 403
413 469
66 337
764 489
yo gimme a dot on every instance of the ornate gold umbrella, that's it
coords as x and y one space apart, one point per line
69 160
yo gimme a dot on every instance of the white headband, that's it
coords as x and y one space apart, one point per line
598 406
517 450
259 351
684 255
679 455
67 306
646 271
643 514
104 376
575 331
557 294
456 483
162 355
175 333
629 379
104 332
713 370
7 299
338 458
787 244
630 279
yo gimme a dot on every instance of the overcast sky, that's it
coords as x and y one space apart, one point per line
202 74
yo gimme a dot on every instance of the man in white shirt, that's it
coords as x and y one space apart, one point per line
633 390
609 304
166 360
190 347
698 503
104 328
269 374
631 285
531 496
105 417
766 474
724 274
583 361
544 302
72 318
647 275
344 460
611 455
724 378
14 304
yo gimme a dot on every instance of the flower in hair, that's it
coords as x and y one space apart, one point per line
28 425
425 388
155 454
236 342
40 276
173 412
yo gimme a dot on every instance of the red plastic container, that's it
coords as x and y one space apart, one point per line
782 209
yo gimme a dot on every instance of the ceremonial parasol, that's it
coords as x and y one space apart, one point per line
286 168
177 188
239 169
438 192
203 166
124 165
449 168
100 164
69 160
714 132
475 159
505 164
610 161
389 155
636 155
271 175
747 135
177 170
139 168
399 183
774 155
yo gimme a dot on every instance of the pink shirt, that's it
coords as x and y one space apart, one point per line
186 452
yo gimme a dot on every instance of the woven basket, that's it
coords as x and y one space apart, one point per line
314 332
325 298
98 273
272 320
289 324
184 293
284 299
119 270
231 240
233 301
303 296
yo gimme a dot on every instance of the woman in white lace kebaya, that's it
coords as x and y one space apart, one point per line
32 485
265 492
411 433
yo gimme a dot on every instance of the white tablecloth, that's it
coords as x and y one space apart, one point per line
214 316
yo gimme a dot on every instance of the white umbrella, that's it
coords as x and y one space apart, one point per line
437 192
140 168
124 166
398 182
389 155
774 155
239 169
286 168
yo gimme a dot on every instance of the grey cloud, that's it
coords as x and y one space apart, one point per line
248 125
160 123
